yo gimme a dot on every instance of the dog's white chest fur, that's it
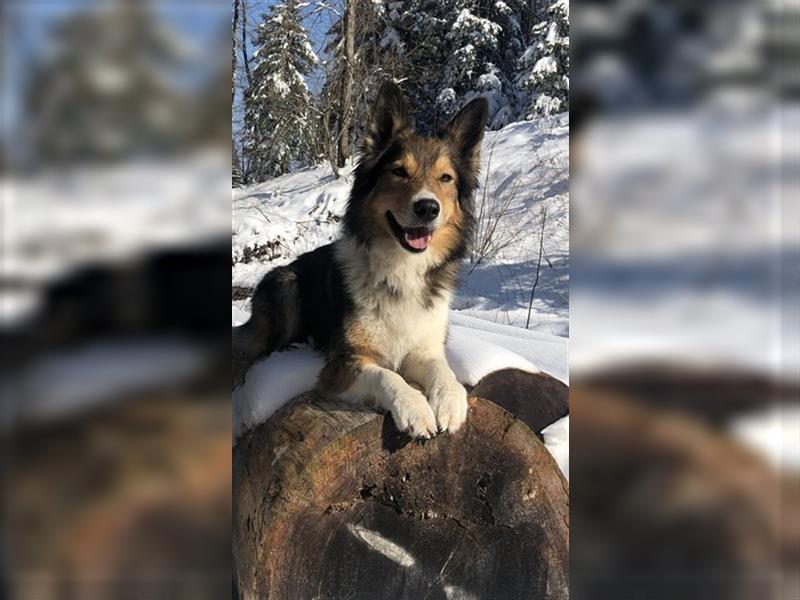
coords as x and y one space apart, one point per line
393 303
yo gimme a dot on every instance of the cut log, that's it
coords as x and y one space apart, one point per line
131 500
330 501
680 508
538 399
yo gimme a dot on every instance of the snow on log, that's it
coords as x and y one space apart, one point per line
330 501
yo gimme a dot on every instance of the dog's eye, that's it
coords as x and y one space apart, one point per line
446 177
400 172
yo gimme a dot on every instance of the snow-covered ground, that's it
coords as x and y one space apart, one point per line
685 245
98 373
524 192
685 241
59 220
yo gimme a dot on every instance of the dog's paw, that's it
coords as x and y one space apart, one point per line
449 404
413 415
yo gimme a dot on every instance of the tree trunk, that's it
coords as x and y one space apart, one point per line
234 29
347 83
245 58
330 146
330 501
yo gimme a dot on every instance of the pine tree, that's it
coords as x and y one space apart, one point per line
475 40
425 34
485 41
279 131
378 53
544 66
107 89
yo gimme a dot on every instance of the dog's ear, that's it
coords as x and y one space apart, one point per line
465 131
389 116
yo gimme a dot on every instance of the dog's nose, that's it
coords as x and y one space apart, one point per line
426 209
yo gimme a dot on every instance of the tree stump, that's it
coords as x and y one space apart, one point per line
330 501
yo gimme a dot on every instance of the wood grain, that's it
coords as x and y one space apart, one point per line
330 501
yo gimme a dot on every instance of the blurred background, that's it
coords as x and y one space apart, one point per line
116 174
115 418
684 300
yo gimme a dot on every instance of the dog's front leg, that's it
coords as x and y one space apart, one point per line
409 408
447 397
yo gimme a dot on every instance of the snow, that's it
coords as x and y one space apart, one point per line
689 271
478 30
546 64
156 204
546 104
472 358
561 6
239 316
271 383
446 101
552 36
547 352
489 82
773 433
556 440
686 252
97 374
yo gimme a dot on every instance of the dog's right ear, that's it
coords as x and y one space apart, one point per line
389 117
465 131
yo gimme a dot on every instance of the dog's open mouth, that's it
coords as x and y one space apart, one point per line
413 239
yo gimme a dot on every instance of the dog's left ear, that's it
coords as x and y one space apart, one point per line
465 131
389 116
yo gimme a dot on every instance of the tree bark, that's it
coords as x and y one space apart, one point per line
346 99
330 501
245 58
234 29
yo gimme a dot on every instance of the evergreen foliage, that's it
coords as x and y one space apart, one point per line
544 66
279 111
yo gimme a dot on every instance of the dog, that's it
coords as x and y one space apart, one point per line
376 301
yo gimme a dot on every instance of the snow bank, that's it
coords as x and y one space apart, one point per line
774 433
60 220
549 353
98 374
271 383
556 440
472 358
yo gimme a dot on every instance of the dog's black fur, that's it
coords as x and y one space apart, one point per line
308 298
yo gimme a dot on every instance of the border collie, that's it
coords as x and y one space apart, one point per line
376 301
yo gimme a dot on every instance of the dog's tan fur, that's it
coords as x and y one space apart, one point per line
387 340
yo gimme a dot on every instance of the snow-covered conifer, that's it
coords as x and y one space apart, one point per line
107 87
279 128
484 43
544 66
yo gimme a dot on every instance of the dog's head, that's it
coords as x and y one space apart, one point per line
416 191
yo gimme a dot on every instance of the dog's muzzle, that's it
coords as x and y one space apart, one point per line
413 239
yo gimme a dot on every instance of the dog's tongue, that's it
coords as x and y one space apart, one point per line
418 237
